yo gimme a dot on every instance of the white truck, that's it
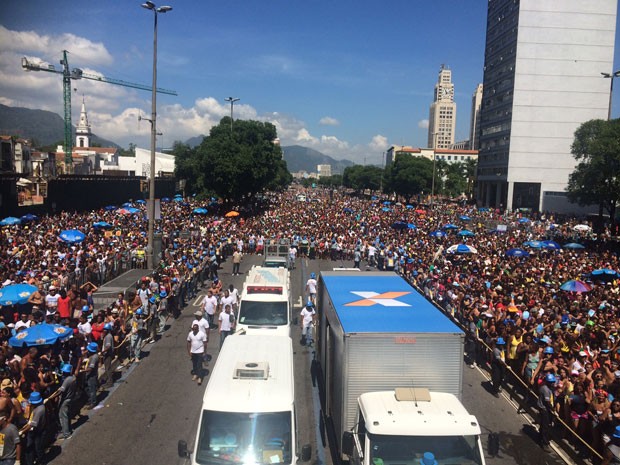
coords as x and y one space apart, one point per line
376 335
265 304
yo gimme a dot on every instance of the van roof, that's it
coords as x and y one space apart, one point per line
276 393
382 302
266 278
443 415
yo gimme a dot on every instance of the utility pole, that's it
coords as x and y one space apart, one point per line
232 101
610 76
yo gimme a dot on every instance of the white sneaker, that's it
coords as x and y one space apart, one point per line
194 378
473 365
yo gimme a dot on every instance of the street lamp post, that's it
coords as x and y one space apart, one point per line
611 77
433 180
232 101
151 231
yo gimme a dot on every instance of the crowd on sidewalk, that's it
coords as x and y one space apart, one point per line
512 303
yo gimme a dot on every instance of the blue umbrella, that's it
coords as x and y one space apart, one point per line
374 197
185 204
133 210
464 218
16 294
387 202
40 335
411 226
399 225
141 202
347 210
102 224
575 286
461 248
409 207
178 196
72 236
200 211
110 208
29 217
604 274
574 246
438 233
517 253
483 209
10 221
533 244
385 209
524 220
466 233
450 226
165 199
177 199
551 245
127 205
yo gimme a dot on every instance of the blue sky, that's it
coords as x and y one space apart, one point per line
346 77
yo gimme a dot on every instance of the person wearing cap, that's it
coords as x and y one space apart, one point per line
137 333
311 288
92 378
162 311
67 393
611 455
498 365
107 353
428 459
546 409
11 442
203 324
307 323
34 430
196 348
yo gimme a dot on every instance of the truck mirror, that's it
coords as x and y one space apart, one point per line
347 443
306 453
182 449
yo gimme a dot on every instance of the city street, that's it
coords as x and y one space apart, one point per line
157 404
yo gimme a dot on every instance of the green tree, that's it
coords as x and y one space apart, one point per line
409 176
238 163
361 177
596 179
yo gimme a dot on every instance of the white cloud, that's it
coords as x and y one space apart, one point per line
378 143
423 123
329 121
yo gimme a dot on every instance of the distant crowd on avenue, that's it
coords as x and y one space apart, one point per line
513 304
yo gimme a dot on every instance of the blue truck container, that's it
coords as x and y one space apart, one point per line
376 333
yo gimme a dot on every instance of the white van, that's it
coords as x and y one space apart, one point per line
265 306
301 197
248 408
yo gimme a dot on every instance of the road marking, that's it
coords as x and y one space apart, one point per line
198 301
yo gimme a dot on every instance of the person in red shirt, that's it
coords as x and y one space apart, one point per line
64 305
97 328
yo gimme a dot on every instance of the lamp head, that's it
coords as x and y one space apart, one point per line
148 5
164 9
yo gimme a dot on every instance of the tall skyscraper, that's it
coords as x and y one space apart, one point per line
474 123
542 79
442 115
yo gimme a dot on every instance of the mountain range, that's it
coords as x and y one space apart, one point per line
45 128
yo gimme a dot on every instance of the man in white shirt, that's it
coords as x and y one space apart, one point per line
227 323
209 306
311 288
23 323
51 300
196 348
203 324
228 299
307 323
84 326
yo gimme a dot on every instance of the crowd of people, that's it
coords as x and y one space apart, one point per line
513 304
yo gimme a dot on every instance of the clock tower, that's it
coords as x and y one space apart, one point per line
442 115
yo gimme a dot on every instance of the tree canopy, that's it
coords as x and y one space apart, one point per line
409 176
360 177
596 179
233 164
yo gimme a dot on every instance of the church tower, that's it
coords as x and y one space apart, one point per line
82 131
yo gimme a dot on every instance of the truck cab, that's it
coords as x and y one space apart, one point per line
400 426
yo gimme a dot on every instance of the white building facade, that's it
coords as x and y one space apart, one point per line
442 114
542 80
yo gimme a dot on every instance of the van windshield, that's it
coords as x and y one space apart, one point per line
263 313
410 449
257 438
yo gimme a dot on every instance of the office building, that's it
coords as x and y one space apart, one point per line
542 80
474 122
442 114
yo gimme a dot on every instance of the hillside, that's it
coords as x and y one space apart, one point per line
300 158
40 126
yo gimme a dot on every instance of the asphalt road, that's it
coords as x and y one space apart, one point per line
157 403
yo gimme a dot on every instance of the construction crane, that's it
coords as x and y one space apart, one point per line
77 73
